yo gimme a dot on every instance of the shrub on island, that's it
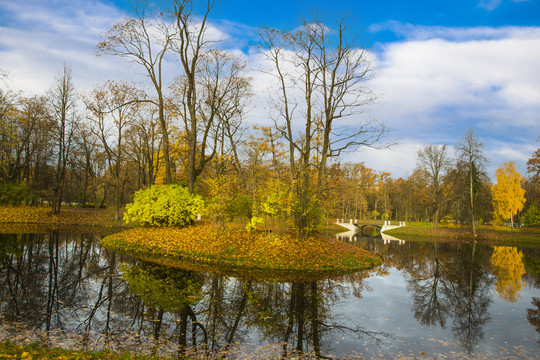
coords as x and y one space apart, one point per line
164 205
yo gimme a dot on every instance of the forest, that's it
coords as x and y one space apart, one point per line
97 148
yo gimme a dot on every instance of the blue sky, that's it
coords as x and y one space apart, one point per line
441 67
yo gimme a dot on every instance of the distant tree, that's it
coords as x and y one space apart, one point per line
532 185
533 166
433 161
507 194
532 216
62 105
471 156
113 111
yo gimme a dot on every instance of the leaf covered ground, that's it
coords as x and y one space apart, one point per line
235 247
485 235
17 219
9 350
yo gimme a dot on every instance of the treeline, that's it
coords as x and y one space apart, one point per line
99 163
98 148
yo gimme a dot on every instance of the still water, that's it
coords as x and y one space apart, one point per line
428 300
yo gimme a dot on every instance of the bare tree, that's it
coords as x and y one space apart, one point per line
191 45
327 67
62 104
470 154
210 94
145 40
113 108
342 65
433 161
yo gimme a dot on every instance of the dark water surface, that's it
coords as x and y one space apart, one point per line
428 300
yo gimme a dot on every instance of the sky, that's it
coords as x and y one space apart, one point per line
440 67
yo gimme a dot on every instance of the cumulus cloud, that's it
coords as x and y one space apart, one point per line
434 84
40 36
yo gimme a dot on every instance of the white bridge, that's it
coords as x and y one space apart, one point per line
354 228
353 225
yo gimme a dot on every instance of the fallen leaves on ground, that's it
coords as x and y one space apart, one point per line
9 350
15 217
235 247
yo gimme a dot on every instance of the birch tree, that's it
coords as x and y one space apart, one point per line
508 196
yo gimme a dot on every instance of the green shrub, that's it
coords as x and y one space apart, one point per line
532 216
14 194
162 205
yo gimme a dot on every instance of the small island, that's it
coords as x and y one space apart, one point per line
170 235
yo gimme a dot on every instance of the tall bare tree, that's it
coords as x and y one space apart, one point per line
327 66
210 95
62 104
433 161
145 40
114 109
191 45
471 156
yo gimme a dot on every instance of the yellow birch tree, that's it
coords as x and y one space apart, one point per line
508 196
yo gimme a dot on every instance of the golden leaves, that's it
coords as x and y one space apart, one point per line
236 247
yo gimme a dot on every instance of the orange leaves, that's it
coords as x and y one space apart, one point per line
237 248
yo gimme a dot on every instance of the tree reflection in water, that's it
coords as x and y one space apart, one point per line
89 297
462 294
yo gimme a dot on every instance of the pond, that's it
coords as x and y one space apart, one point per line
428 300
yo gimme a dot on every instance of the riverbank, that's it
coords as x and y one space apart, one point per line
10 350
234 247
27 219
486 235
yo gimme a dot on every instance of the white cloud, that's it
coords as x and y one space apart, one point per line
399 160
489 4
433 89
434 84
41 36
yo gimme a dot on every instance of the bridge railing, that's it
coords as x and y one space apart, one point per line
355 221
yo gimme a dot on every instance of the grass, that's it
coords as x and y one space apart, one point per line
9 350
235 248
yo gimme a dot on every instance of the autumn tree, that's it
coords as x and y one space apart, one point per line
470 155
507 194
113 110
145 40
532 185
533 166
433 161
144 145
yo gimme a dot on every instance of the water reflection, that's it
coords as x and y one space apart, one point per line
68 285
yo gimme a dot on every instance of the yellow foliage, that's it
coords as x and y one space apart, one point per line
508 196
